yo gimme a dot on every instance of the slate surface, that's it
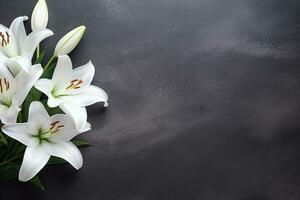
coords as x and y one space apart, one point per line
204 100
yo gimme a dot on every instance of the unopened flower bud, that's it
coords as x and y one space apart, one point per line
68 42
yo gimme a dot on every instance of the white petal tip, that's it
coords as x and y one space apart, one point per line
105 104
83 27
24 178
78 164
50 33
86 128
78 167
52 103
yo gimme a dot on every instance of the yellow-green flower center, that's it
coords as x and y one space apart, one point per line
54 128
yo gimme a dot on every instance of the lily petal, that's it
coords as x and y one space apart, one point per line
25 81
5 73
38 117
11 49
63 70
69 130
35 158
67 151
86 74
92 94
18 29
44 85
3 28
77 113
37 112
33 39
18 131
19 63
54 102
86 128
3 58
10 114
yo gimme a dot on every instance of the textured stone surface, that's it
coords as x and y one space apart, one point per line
204 100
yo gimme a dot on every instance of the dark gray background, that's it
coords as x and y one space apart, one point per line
204 100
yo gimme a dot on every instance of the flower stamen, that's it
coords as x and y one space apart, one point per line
55 126
4 85
75 84
4 38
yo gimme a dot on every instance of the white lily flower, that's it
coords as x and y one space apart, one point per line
39 17
17 48
45 136
71 90
68 42
13 91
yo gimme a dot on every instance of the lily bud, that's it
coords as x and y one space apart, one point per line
67 43
39 17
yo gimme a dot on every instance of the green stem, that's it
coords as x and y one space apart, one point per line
38 52
49 62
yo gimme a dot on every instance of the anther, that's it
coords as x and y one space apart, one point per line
55 126
75 84
4 85
4 38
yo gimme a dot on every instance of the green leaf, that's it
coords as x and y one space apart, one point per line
81 143
9 148
33 95
36 181
2 152
20 149
8 174
3 140
40 58
14 148
51 111
9 171
49 71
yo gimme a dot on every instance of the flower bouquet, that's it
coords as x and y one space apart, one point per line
42 106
